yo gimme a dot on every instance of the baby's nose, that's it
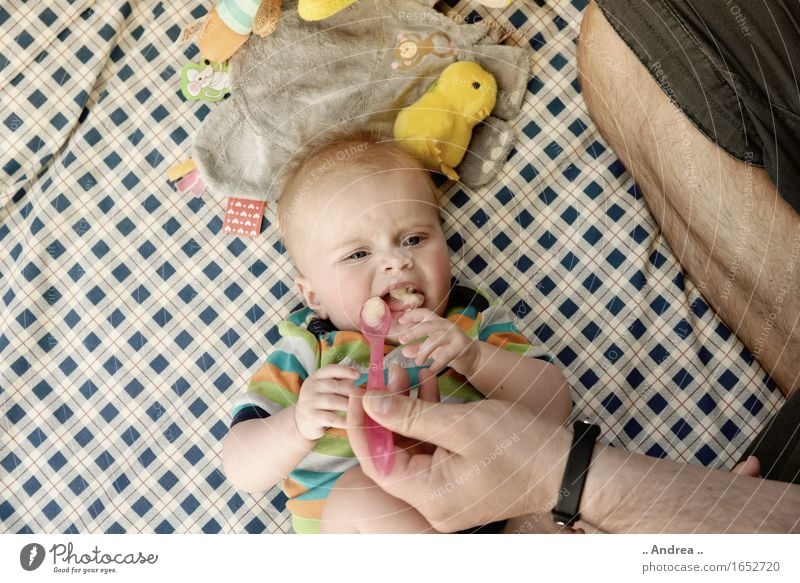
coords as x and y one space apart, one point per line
398 258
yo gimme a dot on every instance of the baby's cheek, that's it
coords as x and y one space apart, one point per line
444 294
350 317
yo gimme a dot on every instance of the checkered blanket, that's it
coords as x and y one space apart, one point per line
130 320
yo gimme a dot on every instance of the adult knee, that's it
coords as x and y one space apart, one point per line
594 60
613 82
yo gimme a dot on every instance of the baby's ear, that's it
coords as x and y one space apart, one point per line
303 286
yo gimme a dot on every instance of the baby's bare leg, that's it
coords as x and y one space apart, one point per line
358 505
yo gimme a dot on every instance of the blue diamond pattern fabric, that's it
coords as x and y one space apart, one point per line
130 322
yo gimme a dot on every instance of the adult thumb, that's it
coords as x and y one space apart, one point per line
415 418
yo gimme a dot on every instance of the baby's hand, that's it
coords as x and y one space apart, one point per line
322 394
446 343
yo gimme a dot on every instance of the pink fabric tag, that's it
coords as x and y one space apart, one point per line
192 183
243 217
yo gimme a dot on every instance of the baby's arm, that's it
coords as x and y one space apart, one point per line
258 453
535 383
496 372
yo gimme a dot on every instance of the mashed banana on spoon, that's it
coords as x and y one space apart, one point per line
372 311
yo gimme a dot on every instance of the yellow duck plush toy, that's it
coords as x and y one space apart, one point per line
437 127
320 9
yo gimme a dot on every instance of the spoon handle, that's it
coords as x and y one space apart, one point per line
379 439
375 375
381 445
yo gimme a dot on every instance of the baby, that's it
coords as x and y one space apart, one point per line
360 218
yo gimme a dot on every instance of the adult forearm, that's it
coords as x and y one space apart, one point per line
535 383
258 453
628 492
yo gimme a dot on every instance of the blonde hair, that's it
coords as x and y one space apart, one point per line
337 154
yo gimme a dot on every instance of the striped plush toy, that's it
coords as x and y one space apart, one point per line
230 22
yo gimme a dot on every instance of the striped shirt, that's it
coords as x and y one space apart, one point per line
308 343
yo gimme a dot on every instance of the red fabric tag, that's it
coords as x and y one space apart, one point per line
243 217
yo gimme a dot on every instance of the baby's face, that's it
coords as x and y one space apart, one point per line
367 235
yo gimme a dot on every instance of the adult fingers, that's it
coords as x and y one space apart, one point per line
422 420
398 381
409 464
749 467
428 391
428 386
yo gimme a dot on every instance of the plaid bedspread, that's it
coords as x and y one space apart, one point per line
129 320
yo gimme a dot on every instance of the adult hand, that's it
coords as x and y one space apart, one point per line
749 467
399 383
492 459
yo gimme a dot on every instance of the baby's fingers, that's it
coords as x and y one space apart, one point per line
345 388
416 333
337 372
416 315
312 422
427 347
411 350
440 358
329 419
330 402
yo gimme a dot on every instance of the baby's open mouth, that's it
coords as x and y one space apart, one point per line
404 298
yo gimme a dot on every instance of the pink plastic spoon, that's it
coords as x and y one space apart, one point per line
375 320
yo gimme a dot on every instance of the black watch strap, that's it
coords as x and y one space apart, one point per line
565 512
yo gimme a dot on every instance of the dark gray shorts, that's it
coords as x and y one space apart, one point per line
732 67
778 445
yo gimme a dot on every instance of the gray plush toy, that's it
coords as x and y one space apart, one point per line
354 70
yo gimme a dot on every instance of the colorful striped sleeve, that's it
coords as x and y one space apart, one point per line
497 327
277 383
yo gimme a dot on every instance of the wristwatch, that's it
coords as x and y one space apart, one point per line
565 512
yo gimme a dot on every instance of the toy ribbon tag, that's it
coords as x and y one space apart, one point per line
243 216
192 184
191 31
206 81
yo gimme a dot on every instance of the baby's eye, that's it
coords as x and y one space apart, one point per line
356 255
412 241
